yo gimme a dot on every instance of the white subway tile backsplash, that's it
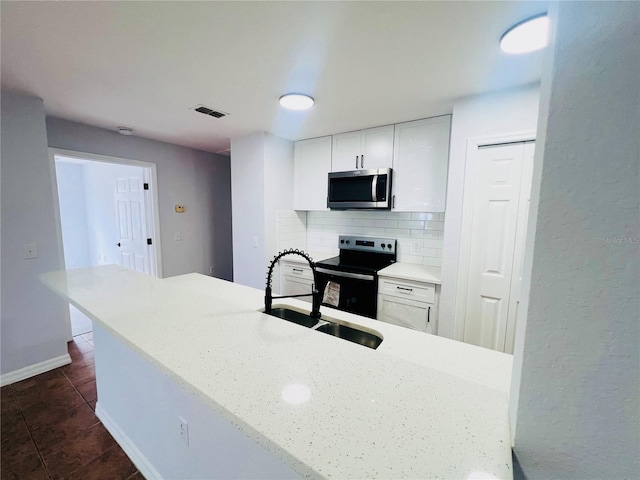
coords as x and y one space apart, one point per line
411 224
432 262
423 216
398 215
385 223
405 258
419 234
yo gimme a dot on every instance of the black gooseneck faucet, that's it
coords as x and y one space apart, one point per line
315 295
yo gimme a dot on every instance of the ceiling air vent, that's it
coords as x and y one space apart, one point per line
209 111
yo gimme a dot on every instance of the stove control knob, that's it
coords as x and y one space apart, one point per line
389 246
348 242
341 241
382 245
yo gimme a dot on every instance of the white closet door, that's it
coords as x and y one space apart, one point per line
520 240
493 233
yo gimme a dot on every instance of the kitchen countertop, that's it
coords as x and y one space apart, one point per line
419 406
410 271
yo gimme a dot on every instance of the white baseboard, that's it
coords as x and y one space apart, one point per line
35 369
145 467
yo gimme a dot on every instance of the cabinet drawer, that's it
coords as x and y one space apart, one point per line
296 270
422 292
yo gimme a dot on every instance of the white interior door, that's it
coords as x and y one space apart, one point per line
132 228
494 230
521 235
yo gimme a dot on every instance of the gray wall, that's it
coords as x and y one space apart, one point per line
576 384
199 180
32 325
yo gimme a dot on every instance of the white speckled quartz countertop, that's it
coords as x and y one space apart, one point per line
419 406
409 271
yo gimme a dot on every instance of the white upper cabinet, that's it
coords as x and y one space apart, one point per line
366 149
311 166
420 162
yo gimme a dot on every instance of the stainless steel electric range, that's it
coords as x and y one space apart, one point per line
349 281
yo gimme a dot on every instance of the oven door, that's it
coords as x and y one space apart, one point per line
352 292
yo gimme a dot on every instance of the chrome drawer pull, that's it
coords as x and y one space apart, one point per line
297 270
405 289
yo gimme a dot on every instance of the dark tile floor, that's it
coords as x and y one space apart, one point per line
49 428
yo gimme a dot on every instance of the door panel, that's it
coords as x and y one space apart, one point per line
494 225
520 240
131 224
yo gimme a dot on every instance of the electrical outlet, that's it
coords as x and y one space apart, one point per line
177 236
416 247
184 431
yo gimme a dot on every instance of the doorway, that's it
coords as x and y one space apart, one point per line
494 231
106 215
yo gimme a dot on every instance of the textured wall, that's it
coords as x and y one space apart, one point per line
576 368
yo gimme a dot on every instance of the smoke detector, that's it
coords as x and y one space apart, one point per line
209 111
125 131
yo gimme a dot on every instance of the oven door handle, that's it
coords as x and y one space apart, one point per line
337 273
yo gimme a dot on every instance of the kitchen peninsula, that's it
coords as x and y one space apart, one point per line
195 382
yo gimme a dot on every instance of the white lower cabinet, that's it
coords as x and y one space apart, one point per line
296 279
408 304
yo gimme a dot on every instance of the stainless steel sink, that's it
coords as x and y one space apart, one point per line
328 325
294 316
351 334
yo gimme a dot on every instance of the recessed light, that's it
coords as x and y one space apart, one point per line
125 131
526 36
296 101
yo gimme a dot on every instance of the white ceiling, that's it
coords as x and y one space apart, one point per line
145 64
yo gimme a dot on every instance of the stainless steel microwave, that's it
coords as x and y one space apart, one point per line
368 189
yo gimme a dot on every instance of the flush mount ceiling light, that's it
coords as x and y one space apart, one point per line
526 36
296 101
125 131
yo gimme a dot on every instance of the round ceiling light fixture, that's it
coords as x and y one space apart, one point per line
526 36
296 101
125 131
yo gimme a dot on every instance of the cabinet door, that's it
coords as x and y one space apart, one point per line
296 286
346 152
377 147
406 313
311 165
420 163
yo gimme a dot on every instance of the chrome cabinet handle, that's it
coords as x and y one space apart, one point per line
356 161
405 289
362 161
393 202
118 244
297 270
429 315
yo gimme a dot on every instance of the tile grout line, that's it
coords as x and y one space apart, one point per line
33 440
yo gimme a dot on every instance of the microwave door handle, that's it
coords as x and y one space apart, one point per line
374 189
